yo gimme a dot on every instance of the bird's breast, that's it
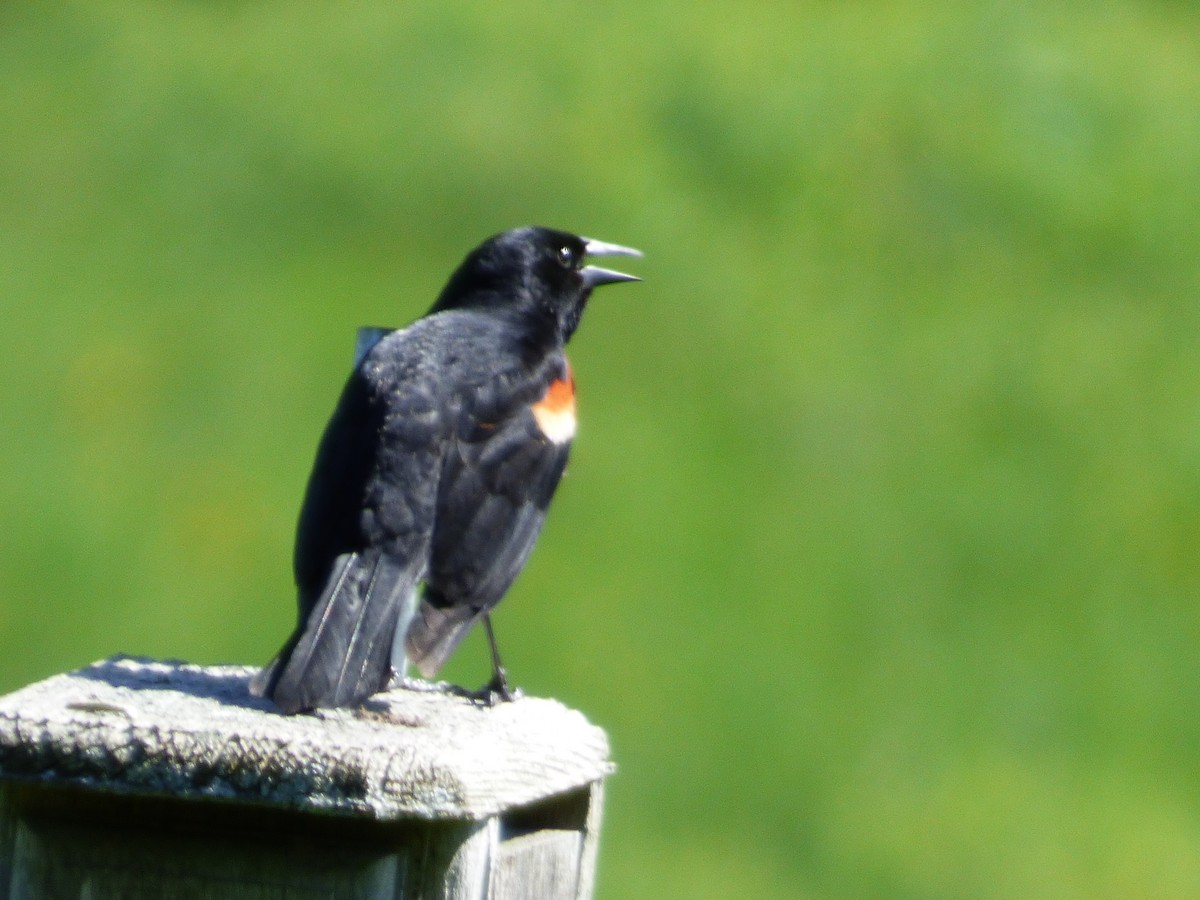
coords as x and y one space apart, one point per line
555 412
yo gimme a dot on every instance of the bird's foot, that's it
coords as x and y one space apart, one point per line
421 685
496 691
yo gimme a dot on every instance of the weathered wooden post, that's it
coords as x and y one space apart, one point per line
140 779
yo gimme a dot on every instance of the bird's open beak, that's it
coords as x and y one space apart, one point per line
593 276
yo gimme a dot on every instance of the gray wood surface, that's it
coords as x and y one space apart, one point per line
539 866
139 780
143 726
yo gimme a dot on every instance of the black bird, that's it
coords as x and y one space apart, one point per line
433 477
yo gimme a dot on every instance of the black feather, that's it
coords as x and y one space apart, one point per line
491 507
361 544
343 654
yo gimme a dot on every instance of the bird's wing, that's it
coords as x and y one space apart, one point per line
496 483
362 544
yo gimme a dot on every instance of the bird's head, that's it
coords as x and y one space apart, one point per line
540 276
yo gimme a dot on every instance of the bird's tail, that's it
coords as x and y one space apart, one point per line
343 653
435 632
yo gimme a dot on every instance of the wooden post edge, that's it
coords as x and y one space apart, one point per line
163 776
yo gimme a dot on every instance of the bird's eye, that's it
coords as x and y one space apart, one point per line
567 256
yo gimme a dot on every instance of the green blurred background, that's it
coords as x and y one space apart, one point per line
878 554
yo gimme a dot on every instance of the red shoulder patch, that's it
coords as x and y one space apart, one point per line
555 412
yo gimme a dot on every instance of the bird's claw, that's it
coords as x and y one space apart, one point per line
497 691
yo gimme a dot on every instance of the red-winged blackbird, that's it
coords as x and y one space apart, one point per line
432 479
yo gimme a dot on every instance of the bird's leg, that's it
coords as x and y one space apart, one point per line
498 686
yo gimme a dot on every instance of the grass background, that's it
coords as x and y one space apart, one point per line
878 553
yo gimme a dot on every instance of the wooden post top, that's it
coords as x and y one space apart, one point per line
169 729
